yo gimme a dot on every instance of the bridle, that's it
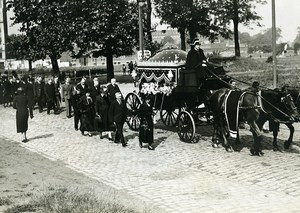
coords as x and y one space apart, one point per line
289 105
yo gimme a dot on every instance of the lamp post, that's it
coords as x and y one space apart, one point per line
141 4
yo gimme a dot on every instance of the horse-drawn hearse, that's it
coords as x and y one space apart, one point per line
182 101
176 93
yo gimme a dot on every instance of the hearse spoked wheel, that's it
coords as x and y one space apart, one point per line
169 116
186 127
133 103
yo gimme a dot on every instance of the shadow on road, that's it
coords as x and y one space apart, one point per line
41 136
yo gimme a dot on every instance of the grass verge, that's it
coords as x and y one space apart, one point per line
62 200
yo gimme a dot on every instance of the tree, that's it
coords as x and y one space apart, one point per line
107 28
297 39
245 38
239 12
194 17
296 48
16 47
263 41
47 25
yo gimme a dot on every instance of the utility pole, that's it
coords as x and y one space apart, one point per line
3 28
141 4
274 44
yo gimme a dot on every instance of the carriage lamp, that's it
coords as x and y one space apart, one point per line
170 75
134 74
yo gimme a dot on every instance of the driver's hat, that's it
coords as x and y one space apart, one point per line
196 41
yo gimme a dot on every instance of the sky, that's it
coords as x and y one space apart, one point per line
287 18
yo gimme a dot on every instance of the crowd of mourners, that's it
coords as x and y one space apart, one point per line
94 107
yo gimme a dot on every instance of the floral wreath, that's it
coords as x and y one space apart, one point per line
152 88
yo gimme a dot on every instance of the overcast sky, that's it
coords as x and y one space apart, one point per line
287 18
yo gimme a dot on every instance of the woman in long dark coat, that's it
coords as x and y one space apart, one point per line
146 128
86 107
101 122
20 103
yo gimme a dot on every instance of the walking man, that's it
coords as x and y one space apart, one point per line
117 116
66 91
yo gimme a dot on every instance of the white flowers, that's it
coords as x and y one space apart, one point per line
154 88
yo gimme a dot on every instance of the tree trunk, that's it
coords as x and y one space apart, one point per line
30 65
236 28
54 63
109 63
182 39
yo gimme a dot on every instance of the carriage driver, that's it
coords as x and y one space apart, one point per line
196 60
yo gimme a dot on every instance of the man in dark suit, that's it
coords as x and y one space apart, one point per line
117 116
39 92
66 92
82 86
95 89
50 95
112 89
29 91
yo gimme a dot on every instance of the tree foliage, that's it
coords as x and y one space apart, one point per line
17 47
296 48
297 39
265 38
46 25
238 12
194 17
106 28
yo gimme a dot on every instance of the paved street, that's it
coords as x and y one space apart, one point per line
178 177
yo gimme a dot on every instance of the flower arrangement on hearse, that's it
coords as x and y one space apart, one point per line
153 88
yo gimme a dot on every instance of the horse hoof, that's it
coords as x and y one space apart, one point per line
287 145
255 152
252 151
229 149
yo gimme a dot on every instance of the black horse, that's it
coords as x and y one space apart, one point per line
250 107
274 124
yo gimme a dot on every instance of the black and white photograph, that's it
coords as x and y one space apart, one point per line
150 106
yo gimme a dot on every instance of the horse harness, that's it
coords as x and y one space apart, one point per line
260 99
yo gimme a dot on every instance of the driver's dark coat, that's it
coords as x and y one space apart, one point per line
194 59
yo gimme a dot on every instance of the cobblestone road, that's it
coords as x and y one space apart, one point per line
178 177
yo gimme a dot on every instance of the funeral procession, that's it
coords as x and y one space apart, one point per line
150 106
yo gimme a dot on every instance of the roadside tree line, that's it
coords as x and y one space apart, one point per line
110 27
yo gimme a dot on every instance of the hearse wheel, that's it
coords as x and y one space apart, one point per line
169 116
186 127
133 103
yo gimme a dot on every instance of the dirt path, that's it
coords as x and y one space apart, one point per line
24 175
